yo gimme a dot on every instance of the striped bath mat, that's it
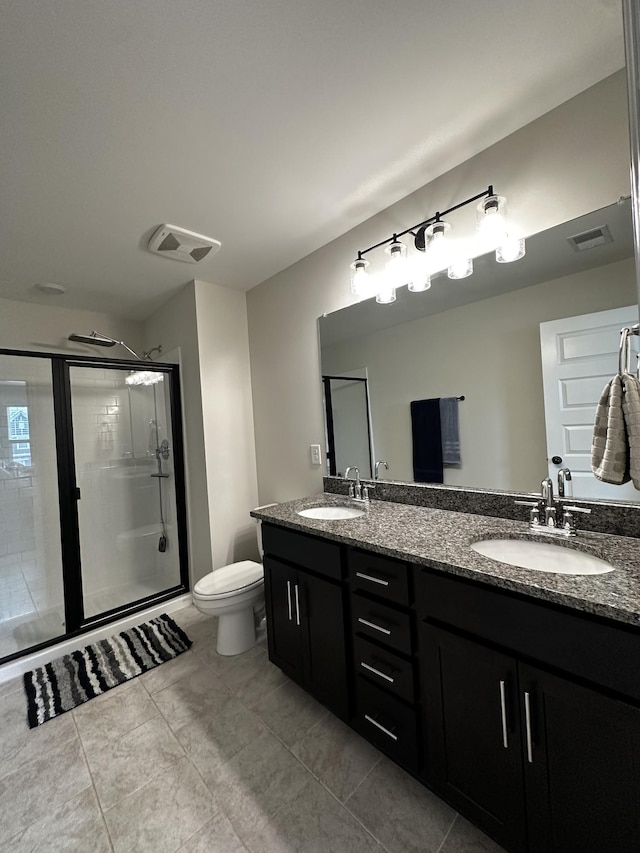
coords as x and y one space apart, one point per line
75 678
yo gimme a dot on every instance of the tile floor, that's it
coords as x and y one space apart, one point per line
208 754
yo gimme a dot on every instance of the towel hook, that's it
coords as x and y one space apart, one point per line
624 353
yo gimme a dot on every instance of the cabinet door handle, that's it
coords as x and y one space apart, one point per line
289 601
372 579
374 626
527 720
503 713
377 672
382 728
296 590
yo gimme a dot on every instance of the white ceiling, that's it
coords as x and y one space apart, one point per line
272 126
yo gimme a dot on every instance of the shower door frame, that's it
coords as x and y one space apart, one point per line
69 493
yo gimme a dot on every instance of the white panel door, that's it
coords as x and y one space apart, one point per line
579 356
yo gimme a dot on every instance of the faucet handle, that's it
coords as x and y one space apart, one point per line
527 503
578 509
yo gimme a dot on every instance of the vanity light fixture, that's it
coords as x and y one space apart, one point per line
436 251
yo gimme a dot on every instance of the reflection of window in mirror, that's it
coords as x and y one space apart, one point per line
18 435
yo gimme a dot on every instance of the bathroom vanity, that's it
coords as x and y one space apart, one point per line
513 694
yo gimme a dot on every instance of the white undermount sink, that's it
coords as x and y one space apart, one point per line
331 513
542 556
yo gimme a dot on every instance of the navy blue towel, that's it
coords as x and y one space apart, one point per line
427 441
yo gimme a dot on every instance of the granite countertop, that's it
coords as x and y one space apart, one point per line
442 539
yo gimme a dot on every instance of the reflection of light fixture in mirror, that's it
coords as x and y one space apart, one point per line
360 278
144 377
437 250
511 250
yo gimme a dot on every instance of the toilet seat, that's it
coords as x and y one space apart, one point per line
230 580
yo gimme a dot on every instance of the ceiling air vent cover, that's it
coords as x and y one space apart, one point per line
590 239
169 241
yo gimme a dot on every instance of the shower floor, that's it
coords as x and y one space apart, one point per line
29 616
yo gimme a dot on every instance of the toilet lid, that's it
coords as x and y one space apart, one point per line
232 578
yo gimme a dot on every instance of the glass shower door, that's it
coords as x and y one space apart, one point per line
125 473
31 580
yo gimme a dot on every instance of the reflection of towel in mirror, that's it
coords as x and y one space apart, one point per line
631 412
427 444
609 446
450 431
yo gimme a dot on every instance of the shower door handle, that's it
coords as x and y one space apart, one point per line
78 495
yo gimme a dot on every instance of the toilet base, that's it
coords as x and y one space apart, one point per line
236 632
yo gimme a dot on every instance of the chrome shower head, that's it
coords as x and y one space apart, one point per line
94 339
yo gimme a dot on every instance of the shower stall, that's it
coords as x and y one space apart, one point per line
92 506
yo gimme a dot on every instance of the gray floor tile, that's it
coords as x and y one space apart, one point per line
195 624
208 654
113 714
466 838
257 782
170 672
75 827
337 756
198 694
13 685
120 767
162 815
214 737
253 677
289 712
402 814
30 793
218 836
19 743
314 822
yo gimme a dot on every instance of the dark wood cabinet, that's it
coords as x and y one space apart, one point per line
305 615
472 732
582 767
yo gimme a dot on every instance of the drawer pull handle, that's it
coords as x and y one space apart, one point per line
289 601
372 579
377 672
527 719
374 626
503 712
382 728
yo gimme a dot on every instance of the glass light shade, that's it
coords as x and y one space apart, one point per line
460 268
360 279
386 295
397 271
438 252
143 377
511 250
492 222
421 281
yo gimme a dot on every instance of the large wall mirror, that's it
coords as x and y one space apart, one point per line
529 345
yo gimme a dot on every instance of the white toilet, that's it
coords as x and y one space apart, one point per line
233 593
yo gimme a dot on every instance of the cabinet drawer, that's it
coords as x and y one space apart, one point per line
388 723
382 623
309 552
384 668
379 576
587 647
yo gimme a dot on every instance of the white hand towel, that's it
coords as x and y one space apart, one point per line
631 411
609 447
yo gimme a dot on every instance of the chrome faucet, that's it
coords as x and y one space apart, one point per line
544 510
377 466
355 489
564 477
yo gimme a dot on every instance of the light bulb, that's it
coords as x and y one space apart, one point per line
438 247
511 250
387 293
460 268
360 278
492 224
397 270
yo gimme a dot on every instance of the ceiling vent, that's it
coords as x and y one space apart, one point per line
169 241
590 239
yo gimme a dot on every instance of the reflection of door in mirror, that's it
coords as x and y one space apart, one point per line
579 356
348 424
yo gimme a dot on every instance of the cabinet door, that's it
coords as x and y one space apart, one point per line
324 642
282 598
582 767
472 731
